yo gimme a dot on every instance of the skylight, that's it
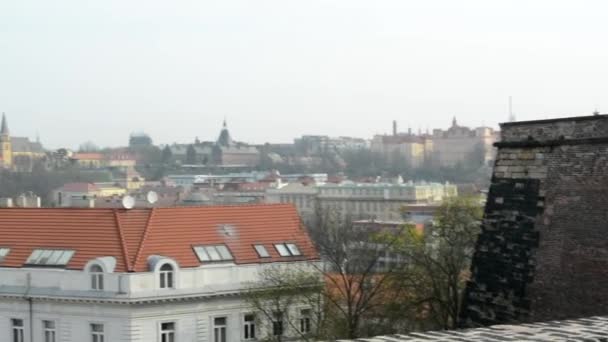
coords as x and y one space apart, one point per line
4 253
50 257
287 249
262 252
213 253
293 249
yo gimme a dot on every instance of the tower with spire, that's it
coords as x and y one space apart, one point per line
224 139
6 148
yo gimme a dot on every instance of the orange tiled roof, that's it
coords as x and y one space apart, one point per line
131 236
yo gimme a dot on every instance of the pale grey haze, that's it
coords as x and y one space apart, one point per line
99 70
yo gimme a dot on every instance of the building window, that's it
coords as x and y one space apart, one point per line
49 331
49 257
3 253
17 325
166 276
219 329
305 317
213 253
262 252
97 334
96 277
287 249
249 327
167 332
277 324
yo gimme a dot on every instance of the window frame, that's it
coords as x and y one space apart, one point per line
162 332
60 257
305 320
282 249
51 331
97 277
249 327
97 336
257 248
4 255
17 331
213 253
286 249
214 326
166 277
278 324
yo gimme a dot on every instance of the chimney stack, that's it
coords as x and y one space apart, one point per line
394 127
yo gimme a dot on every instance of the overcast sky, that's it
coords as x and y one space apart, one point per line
99 70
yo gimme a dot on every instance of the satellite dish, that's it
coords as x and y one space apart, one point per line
152 197
128 202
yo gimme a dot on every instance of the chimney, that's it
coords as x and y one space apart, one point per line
394 127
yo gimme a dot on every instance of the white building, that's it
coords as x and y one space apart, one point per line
382 201
148 275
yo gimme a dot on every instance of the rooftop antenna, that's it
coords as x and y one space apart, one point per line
128 202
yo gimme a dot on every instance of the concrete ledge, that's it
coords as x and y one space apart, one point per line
583 329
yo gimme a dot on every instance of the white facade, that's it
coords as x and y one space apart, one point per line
131 307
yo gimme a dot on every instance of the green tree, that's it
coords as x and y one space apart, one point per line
166 155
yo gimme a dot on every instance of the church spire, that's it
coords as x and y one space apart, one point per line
454 123
4 128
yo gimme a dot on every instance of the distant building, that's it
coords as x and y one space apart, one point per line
97 160
382 201
140 140
457 144
319 144
18 153
303 197
228 152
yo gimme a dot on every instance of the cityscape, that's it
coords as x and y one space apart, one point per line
356 193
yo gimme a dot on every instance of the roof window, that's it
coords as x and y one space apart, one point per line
287 249
50 257
3 253
262 252
213 253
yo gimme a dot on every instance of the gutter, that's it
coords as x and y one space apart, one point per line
30 301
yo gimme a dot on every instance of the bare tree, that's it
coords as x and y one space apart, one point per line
288 302
440 260
361 278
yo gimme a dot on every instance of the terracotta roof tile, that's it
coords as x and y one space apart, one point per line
131 236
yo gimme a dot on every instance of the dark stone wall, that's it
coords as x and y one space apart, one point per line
543 250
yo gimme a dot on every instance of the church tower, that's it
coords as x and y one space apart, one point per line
6 149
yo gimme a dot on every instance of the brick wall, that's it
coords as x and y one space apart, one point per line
543 250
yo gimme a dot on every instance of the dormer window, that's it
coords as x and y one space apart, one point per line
3 253
166 276
50 257
96 277
287 249
213 253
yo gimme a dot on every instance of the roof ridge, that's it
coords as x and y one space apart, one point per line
144 236
123 243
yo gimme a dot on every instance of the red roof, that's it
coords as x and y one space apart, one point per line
88 156
131 236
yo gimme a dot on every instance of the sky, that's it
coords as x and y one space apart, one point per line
81 70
